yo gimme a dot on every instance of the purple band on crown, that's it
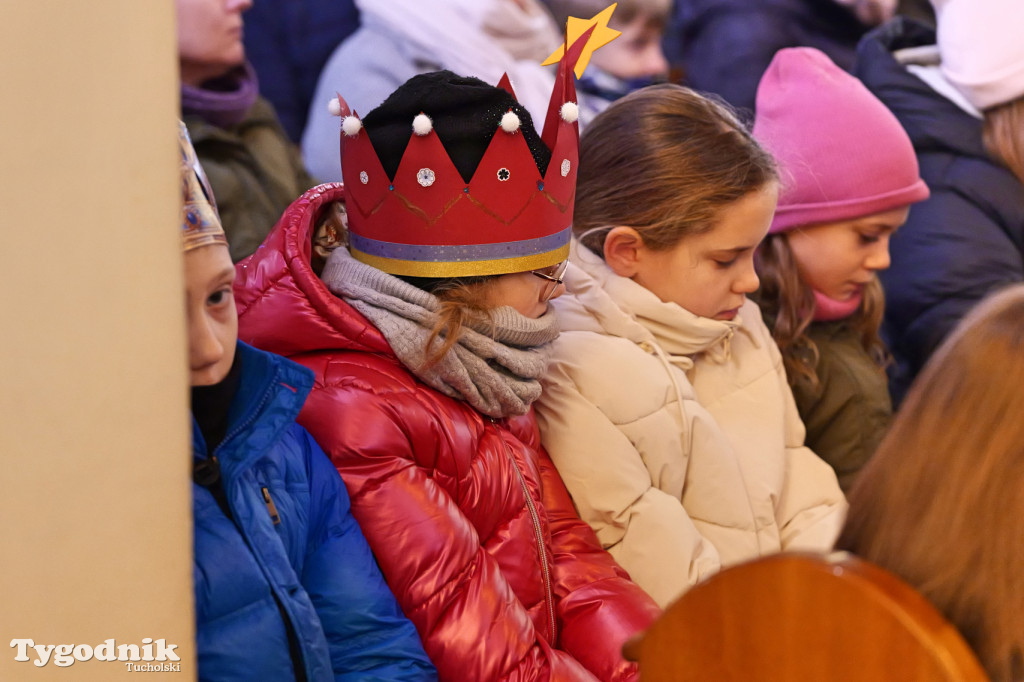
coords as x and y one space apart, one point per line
460 253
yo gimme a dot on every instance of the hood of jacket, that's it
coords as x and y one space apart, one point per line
282 304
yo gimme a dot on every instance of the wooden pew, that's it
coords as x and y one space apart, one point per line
802 617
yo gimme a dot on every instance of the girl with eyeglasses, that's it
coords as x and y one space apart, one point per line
428 331
666 407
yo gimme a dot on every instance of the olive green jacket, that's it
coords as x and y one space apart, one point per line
849 413
255 172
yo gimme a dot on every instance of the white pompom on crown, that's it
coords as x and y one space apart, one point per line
421 125
351 125
570 112
510 122
334 106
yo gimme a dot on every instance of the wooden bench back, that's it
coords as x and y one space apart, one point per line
798 617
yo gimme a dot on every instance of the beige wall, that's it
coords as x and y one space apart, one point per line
94 484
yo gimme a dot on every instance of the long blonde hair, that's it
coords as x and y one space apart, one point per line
788 306
664 160
941 502
1003 135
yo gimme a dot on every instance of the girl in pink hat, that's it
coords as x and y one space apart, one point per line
849 176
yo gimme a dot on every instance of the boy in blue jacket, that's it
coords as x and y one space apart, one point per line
286 586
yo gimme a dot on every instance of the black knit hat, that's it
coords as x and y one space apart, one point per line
465 112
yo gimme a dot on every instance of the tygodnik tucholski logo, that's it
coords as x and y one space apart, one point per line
150 656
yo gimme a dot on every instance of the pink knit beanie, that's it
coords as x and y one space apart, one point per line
982 48
842 154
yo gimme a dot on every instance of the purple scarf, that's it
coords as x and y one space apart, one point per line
222 102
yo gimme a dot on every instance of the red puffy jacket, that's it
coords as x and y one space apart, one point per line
472 527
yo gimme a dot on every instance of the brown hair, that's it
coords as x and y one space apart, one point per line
787 303
940 503
664 160
1003 135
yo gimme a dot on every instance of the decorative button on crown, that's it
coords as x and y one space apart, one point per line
427 221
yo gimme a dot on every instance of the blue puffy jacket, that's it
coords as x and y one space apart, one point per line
967 239
293 548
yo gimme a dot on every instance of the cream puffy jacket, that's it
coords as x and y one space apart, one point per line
677 435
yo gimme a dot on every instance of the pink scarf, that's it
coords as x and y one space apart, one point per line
829 309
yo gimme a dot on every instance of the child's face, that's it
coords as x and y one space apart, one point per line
526 292
636 53
212 320
710 274
839 259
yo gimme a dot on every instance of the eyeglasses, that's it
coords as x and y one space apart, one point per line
553 279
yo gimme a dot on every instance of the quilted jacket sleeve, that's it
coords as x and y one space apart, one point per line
646 529
384 444
599 607
812 508
368 636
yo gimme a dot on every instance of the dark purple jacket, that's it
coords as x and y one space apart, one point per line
724 46
967 239
288 43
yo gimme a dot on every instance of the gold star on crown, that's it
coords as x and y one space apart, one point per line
574 28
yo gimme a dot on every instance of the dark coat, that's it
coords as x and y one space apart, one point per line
288 44
725 46
967 239
254 170
849 412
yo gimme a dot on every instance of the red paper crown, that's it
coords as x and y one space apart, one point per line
428 222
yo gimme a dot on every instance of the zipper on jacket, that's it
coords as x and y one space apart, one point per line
549 596
294 645
274 516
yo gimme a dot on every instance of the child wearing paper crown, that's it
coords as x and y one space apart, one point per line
428 334
286 587
666 408
849 176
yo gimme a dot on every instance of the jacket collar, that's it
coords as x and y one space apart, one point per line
271 392
600 300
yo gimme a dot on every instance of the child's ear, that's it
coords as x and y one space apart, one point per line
622 250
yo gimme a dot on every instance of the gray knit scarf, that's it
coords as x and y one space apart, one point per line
494 369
